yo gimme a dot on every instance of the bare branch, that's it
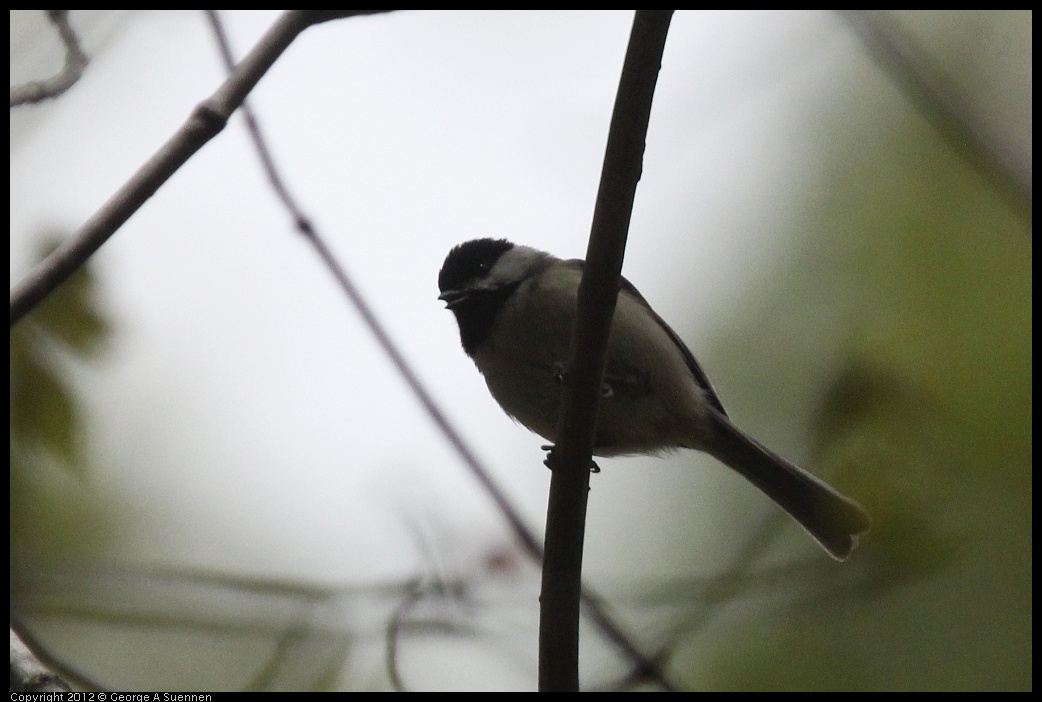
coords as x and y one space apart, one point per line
206 121
75 61
572 456
525 535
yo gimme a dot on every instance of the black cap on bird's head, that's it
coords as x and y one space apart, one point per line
466 263
473 304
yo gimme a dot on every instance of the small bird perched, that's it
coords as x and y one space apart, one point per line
515 307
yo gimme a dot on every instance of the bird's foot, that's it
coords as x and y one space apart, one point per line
550 459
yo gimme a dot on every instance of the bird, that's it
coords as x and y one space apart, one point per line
515 307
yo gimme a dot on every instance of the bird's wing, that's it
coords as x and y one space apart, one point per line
696 370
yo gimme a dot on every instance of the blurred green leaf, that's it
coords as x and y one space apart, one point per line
52 511
46 418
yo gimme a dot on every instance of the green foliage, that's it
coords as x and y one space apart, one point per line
926 419
50 507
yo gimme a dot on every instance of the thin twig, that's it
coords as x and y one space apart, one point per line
305 227
598 291
938 99
394 627
206 121
76 61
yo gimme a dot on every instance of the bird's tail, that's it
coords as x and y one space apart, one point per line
832 519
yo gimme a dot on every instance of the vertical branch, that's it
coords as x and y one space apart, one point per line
571 458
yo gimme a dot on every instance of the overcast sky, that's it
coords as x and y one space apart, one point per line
243 410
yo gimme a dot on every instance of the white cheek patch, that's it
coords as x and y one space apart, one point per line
514 265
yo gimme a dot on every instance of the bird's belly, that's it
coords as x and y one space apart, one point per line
632 419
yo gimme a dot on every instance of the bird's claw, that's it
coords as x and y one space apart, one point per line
549 461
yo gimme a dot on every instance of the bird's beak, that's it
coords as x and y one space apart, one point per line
451 298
